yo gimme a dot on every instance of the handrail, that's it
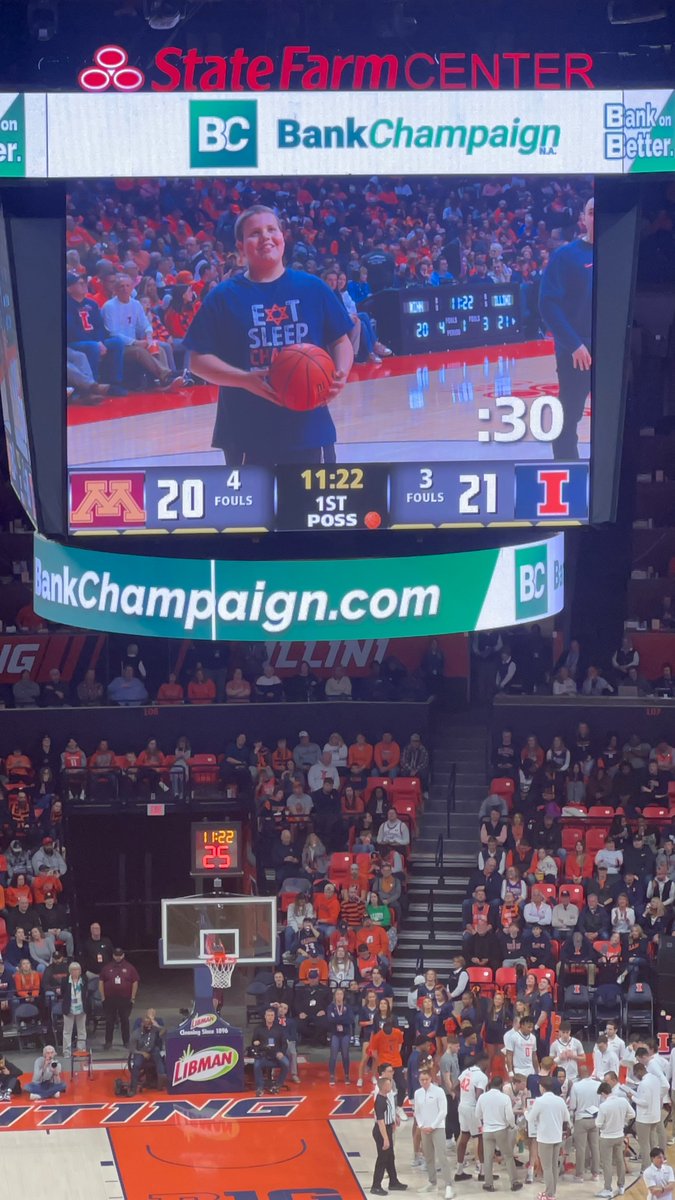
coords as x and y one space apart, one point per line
451 796
430 914
439 859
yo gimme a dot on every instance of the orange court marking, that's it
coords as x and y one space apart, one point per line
210 1146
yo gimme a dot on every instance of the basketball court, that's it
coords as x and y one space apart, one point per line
310 1138
414 408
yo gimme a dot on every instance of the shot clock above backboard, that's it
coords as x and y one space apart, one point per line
215 848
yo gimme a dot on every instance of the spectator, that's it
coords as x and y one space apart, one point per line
360 754
432 667
386 756
89 690
305 686
238 689
10 1074
415 760
50 857
595 684
147 1047
393 831
338 685
86 334
505 679
46 1081
321 771
73 1002
171 692
200 689
118 984
127 689
563 684
624 658
126 321
26 691
54 920
306 753
268 685
337 748
55 693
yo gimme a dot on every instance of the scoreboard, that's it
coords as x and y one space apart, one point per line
442 318
370 496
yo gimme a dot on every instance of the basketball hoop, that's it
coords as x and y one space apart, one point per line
221 967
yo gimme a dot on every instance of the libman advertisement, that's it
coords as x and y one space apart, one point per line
214 600
205 1054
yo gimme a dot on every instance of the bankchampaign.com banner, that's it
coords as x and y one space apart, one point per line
239 601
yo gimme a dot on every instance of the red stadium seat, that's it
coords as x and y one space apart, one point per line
543 973
408 789
503 786
407 810
595 840
548 890
338 868
4 936
571 834
597 811
555 949
482 978
576 892
287 899
376 781
654 812
506 979
203 770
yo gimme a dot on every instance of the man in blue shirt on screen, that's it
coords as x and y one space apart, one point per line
233 338
566 305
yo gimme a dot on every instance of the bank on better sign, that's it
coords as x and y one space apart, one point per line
223 133
12 137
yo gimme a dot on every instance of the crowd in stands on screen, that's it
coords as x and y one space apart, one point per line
145 256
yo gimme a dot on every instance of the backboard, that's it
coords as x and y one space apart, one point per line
195 926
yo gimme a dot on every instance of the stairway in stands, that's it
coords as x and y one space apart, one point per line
460 739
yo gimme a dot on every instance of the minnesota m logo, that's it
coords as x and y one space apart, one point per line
107 502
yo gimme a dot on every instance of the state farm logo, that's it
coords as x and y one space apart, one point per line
111 69
107 501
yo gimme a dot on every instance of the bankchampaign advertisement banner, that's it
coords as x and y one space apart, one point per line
89 135
239 601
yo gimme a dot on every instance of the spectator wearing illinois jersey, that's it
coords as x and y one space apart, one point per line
87 334
118 984
472 1083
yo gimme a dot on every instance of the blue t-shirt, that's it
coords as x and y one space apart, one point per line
243 322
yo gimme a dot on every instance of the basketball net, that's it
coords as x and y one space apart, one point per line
221 967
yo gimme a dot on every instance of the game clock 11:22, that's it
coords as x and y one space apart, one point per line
215 848
334 496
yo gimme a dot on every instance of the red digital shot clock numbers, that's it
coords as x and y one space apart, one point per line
215 848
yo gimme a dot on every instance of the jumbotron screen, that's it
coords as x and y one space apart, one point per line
327 353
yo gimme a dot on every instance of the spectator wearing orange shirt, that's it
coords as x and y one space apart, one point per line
18 765
26 985
45 884
387 756
327 910
352 908
171 692
376 939
313 964
19 890
200 689
365 963
360 754
282 758
150 763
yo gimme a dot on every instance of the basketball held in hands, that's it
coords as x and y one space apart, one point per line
302 376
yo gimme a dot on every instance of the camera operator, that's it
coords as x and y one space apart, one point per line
46 1081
